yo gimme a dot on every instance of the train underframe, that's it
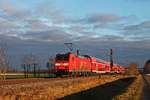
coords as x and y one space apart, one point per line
66 73
63 73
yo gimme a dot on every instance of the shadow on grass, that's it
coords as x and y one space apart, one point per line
102 92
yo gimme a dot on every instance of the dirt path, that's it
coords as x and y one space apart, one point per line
146 91
102 92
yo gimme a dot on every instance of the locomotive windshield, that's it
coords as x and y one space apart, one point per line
62 57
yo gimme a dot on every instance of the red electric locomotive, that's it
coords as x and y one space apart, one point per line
69 63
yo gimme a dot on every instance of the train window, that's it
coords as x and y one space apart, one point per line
62 57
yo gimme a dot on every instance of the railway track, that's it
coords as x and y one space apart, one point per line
36 80
26 80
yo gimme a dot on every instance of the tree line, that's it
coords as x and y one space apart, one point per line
30 64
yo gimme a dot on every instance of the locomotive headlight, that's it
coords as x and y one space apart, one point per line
65 64
57 64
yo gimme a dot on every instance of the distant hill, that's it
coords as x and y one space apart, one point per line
147 67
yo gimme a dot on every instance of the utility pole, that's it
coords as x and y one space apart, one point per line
34 69
24 70
69 46
111 58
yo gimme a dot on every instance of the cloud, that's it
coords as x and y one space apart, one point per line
11 11
139 31
102 20
50 11
53 35
36 25
112 38
48 23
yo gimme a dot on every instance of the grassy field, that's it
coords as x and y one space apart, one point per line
52 89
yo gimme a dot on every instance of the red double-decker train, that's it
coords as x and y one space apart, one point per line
69 63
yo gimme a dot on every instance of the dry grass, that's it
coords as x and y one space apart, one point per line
50 90
133 92
147 78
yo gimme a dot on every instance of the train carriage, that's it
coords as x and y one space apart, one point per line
100 66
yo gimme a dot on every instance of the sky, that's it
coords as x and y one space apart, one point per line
41 27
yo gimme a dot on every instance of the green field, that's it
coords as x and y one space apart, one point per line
21 75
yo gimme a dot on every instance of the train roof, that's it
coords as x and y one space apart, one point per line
100 60
84 56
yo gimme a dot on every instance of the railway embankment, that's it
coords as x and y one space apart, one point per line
53 89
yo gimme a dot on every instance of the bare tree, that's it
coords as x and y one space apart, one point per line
132 69
147 67
3 63
29 62
50 64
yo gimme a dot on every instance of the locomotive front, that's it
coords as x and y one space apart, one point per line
62 64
